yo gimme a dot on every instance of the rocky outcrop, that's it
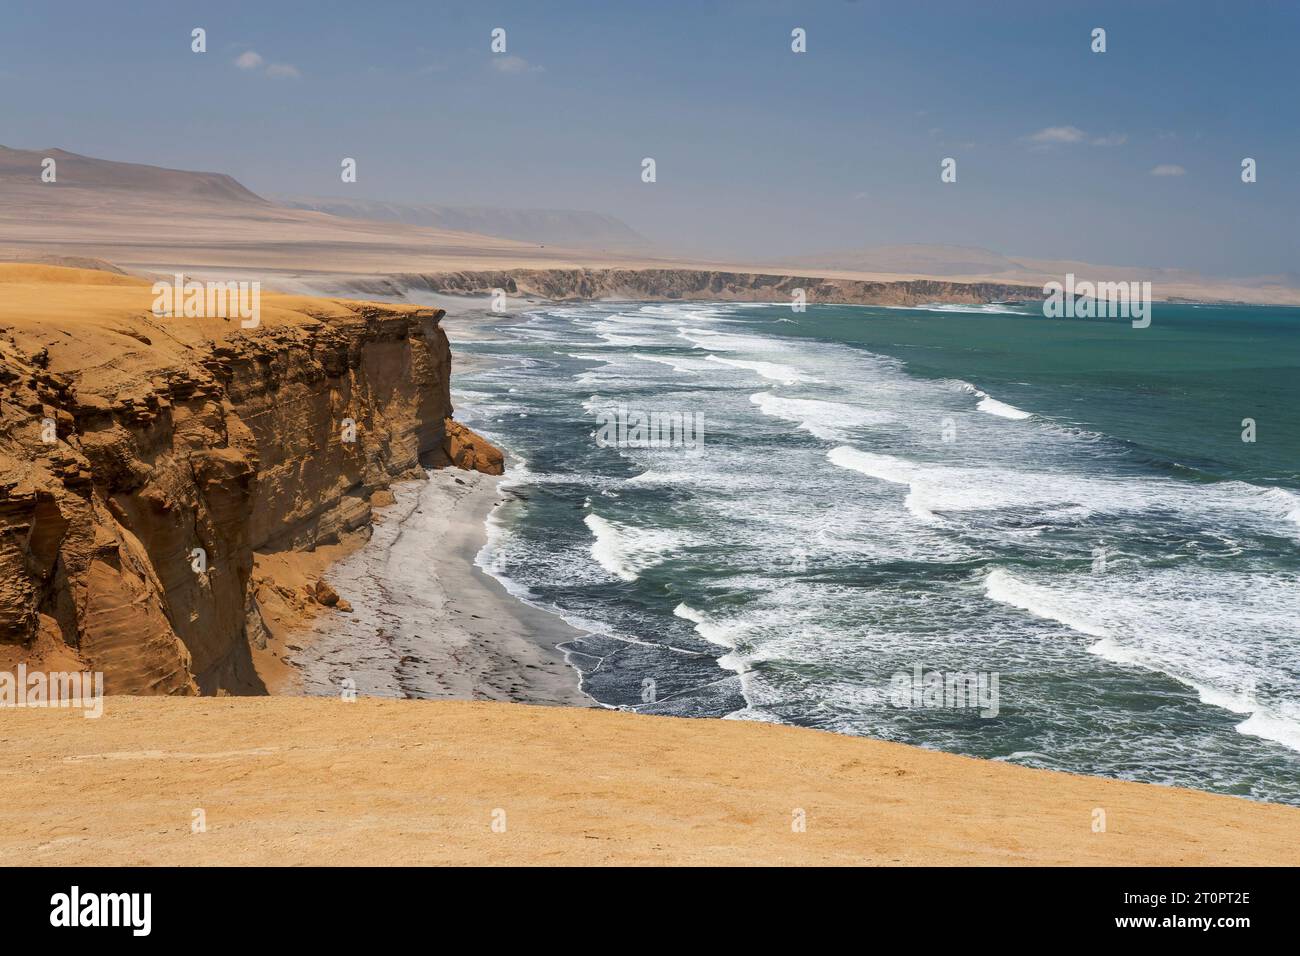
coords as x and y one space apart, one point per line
563 284
472 452
145 460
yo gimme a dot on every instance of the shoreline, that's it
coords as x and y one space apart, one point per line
424 620
427 622
507 660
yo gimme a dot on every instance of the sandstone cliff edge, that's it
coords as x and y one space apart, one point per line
146 460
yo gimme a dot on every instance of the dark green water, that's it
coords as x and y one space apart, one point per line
1178 389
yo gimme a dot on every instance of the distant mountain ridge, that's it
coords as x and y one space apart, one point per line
73 169
566 227
147 219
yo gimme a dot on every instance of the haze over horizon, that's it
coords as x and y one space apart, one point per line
1130 156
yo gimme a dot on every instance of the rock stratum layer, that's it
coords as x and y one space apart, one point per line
571 284
144 460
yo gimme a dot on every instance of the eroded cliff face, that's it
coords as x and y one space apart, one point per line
562 284
144 460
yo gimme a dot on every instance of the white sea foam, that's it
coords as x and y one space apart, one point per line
654 477
721 634
632 341
884 467
1282 730
715 341
625 551
1285 503
943 490
826 420
769 370
1038 601
993 407
989 308
1144 623
695 312
712 631
990 405
604 324
686 365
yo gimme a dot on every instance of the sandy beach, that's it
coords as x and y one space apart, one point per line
427 622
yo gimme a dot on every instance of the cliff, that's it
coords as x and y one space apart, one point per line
561 284
144 461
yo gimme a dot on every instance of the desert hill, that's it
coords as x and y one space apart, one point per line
23 166
148 219
569 227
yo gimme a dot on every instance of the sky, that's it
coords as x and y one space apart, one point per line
1131 156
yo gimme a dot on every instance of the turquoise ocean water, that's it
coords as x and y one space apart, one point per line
1065 504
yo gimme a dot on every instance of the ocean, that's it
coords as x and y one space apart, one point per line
886 506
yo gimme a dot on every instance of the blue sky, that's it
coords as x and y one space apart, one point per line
759 151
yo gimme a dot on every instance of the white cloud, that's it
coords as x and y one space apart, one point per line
252 60
513 64
1054 135
1168 169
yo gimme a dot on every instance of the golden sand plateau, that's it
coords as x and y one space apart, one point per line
285 780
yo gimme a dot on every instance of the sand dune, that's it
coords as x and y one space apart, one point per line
284 781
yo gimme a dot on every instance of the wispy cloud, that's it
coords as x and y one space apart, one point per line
1051 136
513 64
1168 169
251 60
1057 135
